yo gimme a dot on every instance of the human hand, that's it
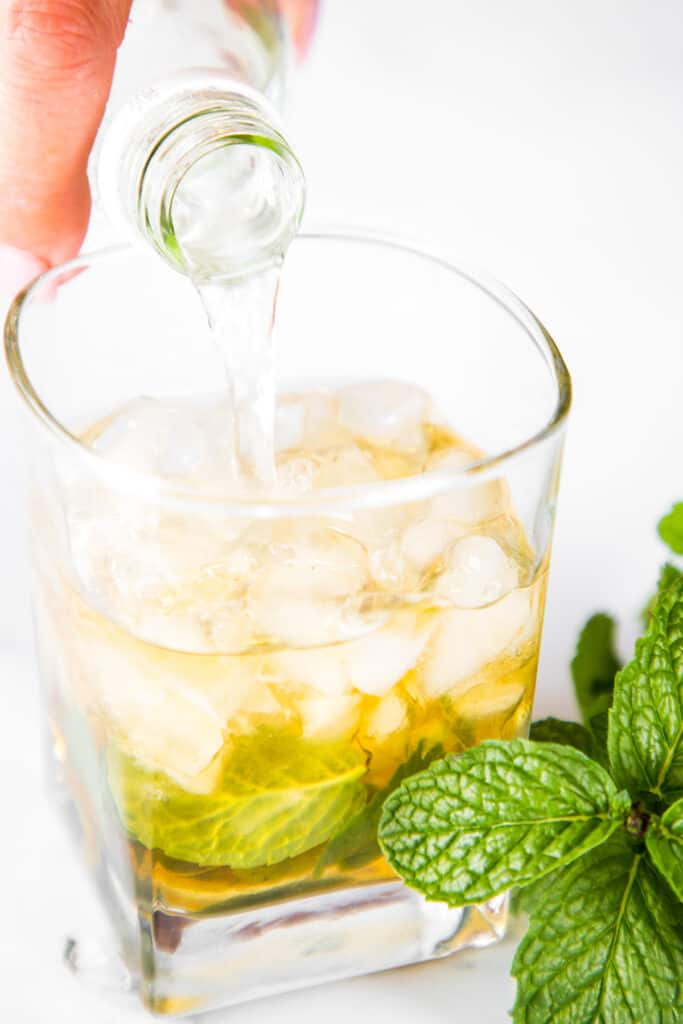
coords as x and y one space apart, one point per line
56 65
57 61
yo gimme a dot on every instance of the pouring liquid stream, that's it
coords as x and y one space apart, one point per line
234 214
241 314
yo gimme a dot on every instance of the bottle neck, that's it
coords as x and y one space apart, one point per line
199 170
246 40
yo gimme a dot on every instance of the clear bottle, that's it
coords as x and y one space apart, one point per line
191 157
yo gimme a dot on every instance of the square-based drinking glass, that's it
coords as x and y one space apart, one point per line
234 683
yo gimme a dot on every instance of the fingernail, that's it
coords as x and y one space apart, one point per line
17 268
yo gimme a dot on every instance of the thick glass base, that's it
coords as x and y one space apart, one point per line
189 966
186 963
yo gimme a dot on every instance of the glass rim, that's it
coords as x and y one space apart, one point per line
324 502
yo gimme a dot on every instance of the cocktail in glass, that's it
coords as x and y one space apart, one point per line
236 678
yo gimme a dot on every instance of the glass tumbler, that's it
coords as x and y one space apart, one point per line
235 680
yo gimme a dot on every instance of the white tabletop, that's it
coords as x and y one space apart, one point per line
542 141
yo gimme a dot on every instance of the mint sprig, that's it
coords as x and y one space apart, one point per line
500 814
587 818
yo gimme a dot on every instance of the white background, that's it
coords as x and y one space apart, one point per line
542 140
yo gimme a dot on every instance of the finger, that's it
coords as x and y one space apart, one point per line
17 269
56 64
302 16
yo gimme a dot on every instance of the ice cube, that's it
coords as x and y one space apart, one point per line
241 691
171 578
426 540
229 685
378 527
305 586
378 661
467 640
388 717
290 424
319 561
149 708
389 567
400 557
117 560
344 467
308 422
492 698
173 630
321 670
226 626
178 587
296 474
301 472
135 435
260 707
478 572
174 438
186 451
468 502
330 717
299 621
323 429
385 412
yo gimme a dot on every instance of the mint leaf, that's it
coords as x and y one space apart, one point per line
498 815
665 846
604 946
357 843
670 528
594 666
646 720
591 740
569 734
278 797
599 725
532 896
527 899
668 575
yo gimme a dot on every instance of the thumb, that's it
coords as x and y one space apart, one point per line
56 65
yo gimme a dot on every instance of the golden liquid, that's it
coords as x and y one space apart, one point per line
418 673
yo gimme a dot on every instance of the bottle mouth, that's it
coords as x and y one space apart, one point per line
234 196
204 174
